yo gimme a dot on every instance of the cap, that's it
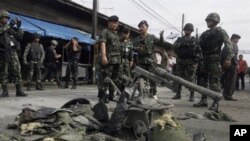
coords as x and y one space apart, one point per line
125 30
143 22
235 36
113 18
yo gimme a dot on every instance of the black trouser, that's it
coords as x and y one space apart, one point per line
51 70
228 81
72 68
240 76
34 67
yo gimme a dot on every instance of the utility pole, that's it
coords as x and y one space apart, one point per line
94 19
94 35
182 24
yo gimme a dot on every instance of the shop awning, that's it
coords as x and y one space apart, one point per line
54 30
27 26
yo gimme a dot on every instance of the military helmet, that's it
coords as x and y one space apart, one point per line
4 13
214 17
54 42
189 26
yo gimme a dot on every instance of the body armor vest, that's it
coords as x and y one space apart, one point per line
5 46
35 52
211 42
50 55
187 48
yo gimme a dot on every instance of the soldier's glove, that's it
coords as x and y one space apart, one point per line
18 23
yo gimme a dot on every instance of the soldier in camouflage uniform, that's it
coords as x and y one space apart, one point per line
126 52
110 62
33 57
73 50
8 54
144 46
187 51
211 42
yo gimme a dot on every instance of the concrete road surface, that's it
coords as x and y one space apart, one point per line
54 97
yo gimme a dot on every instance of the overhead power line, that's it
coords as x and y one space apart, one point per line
158 15
155 15
139 9
149 13
166 7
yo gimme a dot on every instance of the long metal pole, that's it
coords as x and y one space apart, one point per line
94 35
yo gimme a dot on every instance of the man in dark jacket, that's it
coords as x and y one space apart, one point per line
9 37
229 74
51 58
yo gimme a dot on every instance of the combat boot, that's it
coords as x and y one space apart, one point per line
106 99
178 93
191 97
59 84
19 91
28 86
202 103
5 91
111 96
66 85
39 86
230 98
177 96
103 97
74 85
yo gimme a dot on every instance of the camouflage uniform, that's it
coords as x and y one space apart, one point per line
186 50
211 42
113 68
72 67
33 57
127 57
9 43
147 43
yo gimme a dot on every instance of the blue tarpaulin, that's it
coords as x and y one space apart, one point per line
53 30
27 26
